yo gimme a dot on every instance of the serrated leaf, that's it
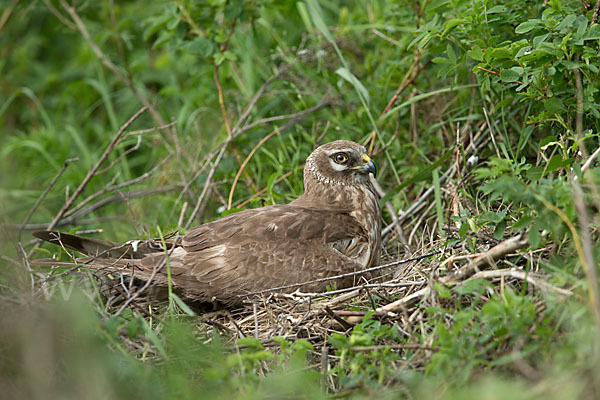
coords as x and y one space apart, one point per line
201 46
555 106
303 344
500 53
508 75
535 173
471 286
476 53
499 230
556 162
539 39
452 23
592 33
547 140
451 53
522 222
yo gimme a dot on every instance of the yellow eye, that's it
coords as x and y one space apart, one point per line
340 158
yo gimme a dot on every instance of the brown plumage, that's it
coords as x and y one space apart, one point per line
331 229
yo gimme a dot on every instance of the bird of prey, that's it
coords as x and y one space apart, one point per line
332 229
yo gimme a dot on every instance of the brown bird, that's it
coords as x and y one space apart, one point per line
331 229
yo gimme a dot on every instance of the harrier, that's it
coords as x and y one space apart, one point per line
331 229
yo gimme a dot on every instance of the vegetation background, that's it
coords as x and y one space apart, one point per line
234 95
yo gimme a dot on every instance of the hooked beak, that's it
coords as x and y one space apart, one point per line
369 165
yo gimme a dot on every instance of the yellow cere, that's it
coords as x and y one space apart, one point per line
366 158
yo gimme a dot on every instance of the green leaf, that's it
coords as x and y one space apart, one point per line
592 33
442 61
497 10
316 14
555 163
500 53
499 230
472 286
450 24
508 75
535 173
250 342
527 26
476 53
547 140
539 39
534 237
451 53
201 46
555 105
353 80
442 291
184 307
522 51
522 222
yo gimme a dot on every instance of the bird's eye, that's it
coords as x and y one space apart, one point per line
340 158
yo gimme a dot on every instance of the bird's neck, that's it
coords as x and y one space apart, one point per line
343 197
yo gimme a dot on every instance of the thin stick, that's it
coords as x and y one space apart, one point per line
239 173
523 275
206 185
112 187
346 275
588 250
495 253
491 131
406 82
155 270
293 116
282 177
6 14
43 195
108 63
590 160
95 168
393 347
596 10
416 204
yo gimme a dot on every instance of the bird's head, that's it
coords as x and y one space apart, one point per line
339 163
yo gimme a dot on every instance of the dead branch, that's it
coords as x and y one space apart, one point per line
495 253
90 174
522 275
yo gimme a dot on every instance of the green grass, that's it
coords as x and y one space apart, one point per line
531 66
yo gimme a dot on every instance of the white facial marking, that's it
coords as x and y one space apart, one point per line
333 151
336 166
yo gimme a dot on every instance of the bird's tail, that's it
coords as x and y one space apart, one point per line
135 258
88 246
